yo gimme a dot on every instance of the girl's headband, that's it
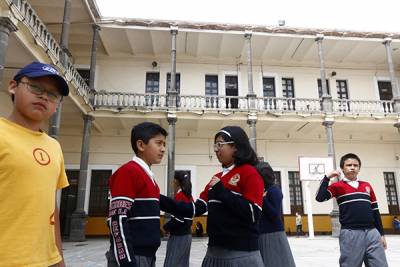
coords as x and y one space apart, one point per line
225 132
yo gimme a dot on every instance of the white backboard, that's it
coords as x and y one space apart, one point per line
314 169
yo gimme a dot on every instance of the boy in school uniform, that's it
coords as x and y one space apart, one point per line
31 170
361 235
134 213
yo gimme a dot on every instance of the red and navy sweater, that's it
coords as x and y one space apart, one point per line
180 225
271 217
358 208
134 214
234 208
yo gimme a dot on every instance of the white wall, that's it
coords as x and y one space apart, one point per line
195 153
125 76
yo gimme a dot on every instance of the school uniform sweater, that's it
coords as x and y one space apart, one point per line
271 216
358 208
134 213
180 225
234 206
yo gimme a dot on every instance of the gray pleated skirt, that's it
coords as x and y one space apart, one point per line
221 257
275 250
178 251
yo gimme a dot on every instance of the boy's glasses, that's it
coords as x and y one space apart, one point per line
218 145
38 90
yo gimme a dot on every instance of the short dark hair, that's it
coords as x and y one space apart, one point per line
266 172
244 152
145 131
183 180
17 80
349 156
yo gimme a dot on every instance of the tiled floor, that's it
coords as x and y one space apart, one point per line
323 251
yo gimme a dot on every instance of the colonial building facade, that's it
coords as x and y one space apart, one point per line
297 92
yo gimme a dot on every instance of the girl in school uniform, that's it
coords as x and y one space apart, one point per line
274 245
233 199
180 228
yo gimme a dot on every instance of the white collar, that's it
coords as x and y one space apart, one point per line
351 183
145 167
226 170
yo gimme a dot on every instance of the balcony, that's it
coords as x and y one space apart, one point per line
117 102
43 38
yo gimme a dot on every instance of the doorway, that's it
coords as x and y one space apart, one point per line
68 202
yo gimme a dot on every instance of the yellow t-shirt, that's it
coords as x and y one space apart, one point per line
31 170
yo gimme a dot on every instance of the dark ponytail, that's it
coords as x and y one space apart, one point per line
184 182
266 172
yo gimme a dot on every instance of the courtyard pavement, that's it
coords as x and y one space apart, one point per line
323 251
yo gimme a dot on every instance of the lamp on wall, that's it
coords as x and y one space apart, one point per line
154 64
333 73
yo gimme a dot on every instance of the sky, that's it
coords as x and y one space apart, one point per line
357 15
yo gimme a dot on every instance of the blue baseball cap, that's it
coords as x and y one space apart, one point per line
37 69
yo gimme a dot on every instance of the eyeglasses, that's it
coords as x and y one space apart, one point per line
38 90
218 145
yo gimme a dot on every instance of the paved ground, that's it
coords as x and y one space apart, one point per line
323 251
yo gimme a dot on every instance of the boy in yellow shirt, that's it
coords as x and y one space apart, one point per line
31 171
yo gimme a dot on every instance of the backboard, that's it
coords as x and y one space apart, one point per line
314 169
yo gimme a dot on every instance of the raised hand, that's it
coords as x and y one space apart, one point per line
333 174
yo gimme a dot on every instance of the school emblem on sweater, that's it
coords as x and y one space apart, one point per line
367 189
41 156
234 180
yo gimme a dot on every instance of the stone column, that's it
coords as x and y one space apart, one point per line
93 57
7 26
328 123
251 96
327 104
395 85
251 121
78 218
172 119
64 40
55 120
327 107
172 93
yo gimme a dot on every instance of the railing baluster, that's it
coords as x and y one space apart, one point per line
196 102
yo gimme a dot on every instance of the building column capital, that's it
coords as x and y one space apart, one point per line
248 34
328 122
387 41
96 27
171 118
87 117
174 30
6 24
252 118
319 37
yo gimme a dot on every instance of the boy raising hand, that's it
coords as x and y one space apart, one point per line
361 236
